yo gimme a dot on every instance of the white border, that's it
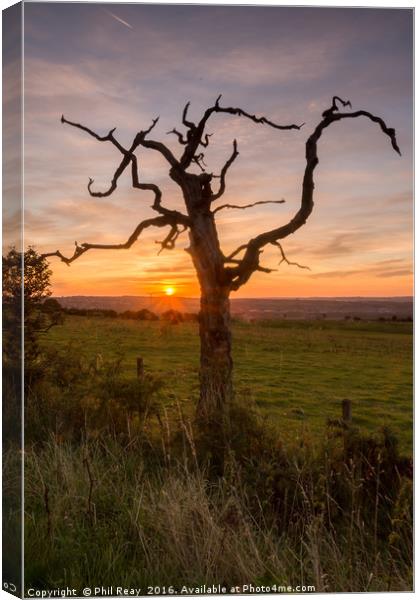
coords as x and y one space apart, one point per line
303 3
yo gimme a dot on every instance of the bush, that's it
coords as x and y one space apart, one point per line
173 316
91 312
80 397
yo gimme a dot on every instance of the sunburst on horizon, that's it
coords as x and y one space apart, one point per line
169 290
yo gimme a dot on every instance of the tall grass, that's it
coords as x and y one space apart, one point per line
100 514
119 493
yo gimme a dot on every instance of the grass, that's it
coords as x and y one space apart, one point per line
297 373
118 490
101 515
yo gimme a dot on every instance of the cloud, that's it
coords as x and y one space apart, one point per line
344 243
396 273
274 64
382 269
336 274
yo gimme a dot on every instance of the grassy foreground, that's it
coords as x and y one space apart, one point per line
100 515
117 486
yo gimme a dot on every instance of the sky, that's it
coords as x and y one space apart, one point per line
121 65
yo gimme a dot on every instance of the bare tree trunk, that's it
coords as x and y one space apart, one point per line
215 359
213 410
214 322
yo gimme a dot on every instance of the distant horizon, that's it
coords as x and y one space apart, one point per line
233 297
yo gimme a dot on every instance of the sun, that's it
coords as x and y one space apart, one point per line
169 290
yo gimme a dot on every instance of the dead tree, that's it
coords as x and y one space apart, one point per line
217 273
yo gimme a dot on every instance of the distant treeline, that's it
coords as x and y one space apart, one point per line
172 316
175 316
394 318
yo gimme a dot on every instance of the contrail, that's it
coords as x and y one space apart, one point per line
118 19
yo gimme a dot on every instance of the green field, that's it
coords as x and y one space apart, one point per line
297 373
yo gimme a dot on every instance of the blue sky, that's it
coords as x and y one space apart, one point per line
122 65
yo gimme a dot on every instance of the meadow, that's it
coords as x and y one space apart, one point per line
119 490
295 372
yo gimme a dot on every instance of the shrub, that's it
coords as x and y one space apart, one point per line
80 397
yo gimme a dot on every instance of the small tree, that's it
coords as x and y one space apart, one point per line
37 318
218 274
26 285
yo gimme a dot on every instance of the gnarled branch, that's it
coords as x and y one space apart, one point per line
235 253
250 261
80 249
139 140
333 108
206 140
101 138
223 172
196 132
120 170
130 157
168 243
260 120
247 205
286 260
178 135
175 215
187 123
199 160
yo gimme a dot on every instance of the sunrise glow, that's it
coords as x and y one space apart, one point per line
358 239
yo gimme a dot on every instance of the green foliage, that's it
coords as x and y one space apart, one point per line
80 397
26 288
31 271
140 315
53 311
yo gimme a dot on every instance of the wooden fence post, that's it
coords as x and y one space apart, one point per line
346 408
140 367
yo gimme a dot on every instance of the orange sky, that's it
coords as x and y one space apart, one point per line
283 63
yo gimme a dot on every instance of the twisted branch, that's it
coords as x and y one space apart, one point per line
248 205
168 243
178 135
105 138
130 157
235 253
199 160
250 261
260 120
168 217
175 215
187 123
206 140
195 133
223 172
80 249
334 107
286 260
139 140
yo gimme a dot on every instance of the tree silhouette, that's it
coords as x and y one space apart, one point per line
31 269
218 274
